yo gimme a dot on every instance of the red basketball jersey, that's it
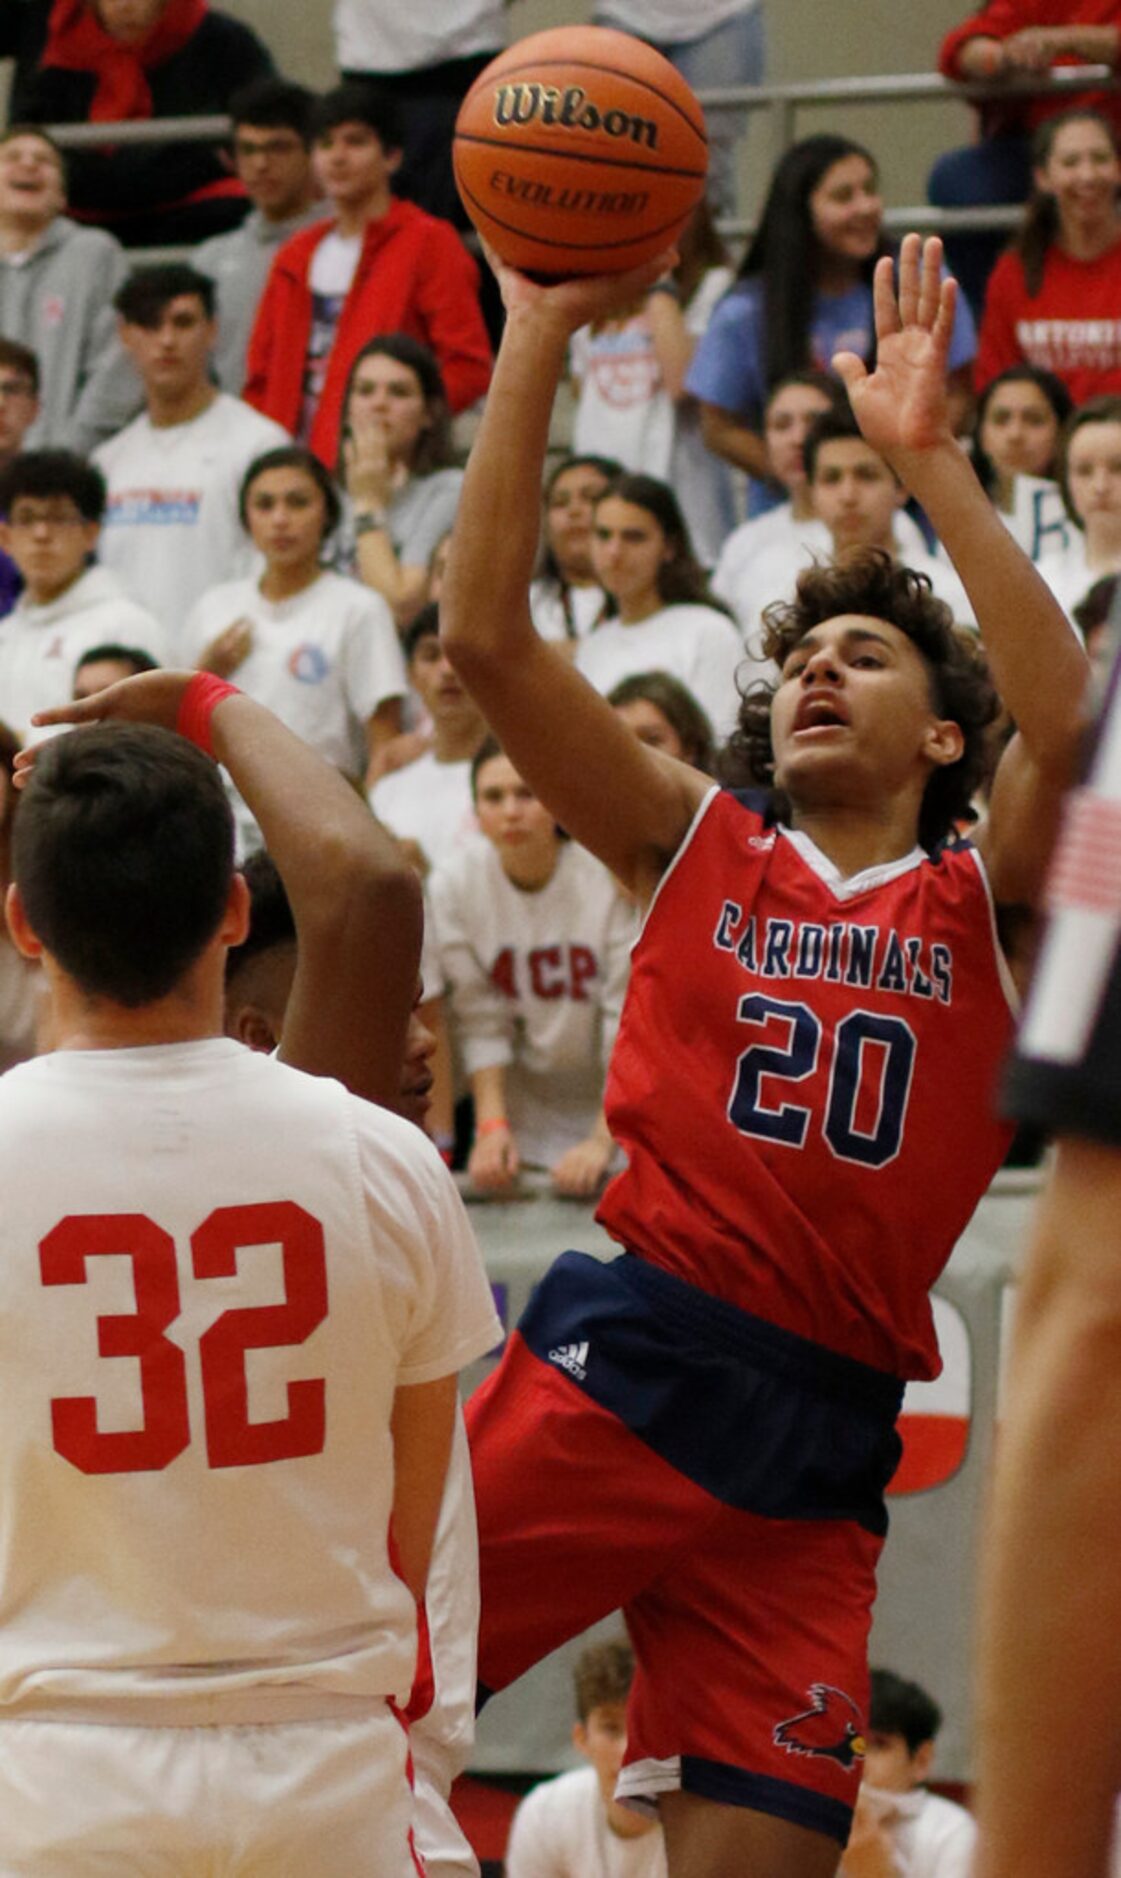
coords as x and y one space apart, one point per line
804 1080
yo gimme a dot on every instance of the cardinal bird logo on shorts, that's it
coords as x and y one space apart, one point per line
830 1729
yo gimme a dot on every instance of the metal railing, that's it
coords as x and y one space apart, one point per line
781 103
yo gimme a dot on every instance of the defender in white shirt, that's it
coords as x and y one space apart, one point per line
234 1304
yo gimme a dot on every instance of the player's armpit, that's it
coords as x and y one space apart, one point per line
423 1422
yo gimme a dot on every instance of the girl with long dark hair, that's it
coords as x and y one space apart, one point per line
1020 416
804 292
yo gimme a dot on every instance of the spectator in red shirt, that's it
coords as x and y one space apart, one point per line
1054 299
1010 39
379 265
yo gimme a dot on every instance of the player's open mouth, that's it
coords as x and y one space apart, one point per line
819 713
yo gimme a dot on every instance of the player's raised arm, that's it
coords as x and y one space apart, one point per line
622 801
355 904
1036 660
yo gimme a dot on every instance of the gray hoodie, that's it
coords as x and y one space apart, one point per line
58 300
238 264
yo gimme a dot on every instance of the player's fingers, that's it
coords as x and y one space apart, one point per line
930 282
850 369
884 302
943 328
910 272
79 711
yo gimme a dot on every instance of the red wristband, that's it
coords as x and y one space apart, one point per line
197 706
496 1125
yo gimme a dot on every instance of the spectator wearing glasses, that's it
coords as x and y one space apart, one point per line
272 154
52 503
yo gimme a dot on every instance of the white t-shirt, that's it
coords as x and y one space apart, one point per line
1068 573
40 645
931 1837
171 527
399 36
430 803
536 983
696 644
1038 519
560 1830
334 264
548 613
772 575
322 661
284 1256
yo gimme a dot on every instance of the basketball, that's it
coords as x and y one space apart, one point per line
580 151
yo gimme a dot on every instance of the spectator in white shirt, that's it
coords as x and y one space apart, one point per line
52 503
789 411
660 615
320 651
664 715
534 940
429 803
1089 469
859 498
900 1830
1020 416
172 527
565 598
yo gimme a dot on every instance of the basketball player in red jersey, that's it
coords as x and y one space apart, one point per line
701 1430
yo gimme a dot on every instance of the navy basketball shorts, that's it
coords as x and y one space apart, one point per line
644 1447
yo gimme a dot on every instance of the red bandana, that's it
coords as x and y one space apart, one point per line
78 42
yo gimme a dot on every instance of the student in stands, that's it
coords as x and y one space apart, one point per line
397 466
105 665
271 122
660 615
52 505
534 941
1052 299
1020 416
566 599
664 715
859 499
98 61
57 283
429 803
320 651
804 292
790 410
172 527
901 1829
1001 42
1089 469
573 1826
377 265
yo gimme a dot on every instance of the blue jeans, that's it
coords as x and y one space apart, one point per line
732 54
996 170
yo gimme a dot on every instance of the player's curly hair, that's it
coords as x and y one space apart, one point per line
869 582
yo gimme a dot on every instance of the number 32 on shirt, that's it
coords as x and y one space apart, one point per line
232 1440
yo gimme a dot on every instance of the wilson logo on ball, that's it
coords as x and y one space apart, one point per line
571 109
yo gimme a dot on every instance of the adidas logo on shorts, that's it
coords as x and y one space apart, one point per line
573 1357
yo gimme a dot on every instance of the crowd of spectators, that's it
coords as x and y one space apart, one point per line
246 459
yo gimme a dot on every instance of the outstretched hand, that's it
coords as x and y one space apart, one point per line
149 698
902 404
581 301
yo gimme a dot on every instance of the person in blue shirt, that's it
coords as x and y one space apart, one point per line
804 292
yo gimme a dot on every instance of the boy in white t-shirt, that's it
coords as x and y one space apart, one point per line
859 498
428 803
172 528
238 1718
899 1829
573 1827
52 503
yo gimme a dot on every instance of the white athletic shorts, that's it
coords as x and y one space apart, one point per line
315 1799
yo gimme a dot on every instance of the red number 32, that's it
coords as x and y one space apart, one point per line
232 1440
